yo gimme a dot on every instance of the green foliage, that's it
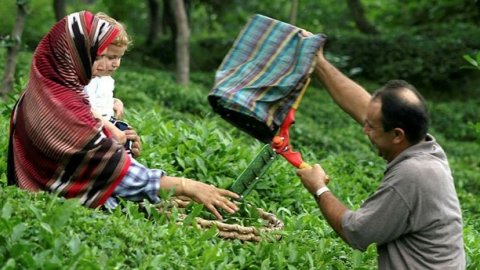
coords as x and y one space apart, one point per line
476 127
400 15
8 18
431 58
452 119
475 62
167 94
162 53
38 22
181 135
419 41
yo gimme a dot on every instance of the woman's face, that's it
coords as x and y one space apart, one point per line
108 61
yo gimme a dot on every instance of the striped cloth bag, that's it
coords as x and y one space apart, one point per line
262 75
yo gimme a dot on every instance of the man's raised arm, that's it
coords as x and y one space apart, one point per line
350 96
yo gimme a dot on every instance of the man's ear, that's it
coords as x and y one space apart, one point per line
398 136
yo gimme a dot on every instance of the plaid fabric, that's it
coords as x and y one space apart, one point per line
262 75
138 184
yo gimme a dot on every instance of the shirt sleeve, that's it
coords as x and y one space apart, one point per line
382 218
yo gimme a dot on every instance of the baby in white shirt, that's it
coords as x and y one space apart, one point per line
100 94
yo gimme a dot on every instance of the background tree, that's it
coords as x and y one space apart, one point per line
413 33
60 9
293 12
358 16
168 21
182 42
13 47
154 25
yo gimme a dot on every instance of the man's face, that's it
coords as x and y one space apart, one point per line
108 61
373 128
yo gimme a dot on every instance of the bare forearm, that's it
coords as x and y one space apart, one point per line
333 210
116 133
177 183
350 96
314 179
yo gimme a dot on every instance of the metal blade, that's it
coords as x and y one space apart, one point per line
250 176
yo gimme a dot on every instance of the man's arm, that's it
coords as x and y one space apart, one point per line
332 209
350 96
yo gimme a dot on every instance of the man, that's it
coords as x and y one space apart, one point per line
414 216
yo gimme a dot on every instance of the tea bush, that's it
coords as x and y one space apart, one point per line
181 135
453 119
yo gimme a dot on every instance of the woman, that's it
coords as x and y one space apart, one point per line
58 145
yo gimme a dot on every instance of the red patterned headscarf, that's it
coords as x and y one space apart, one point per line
55 142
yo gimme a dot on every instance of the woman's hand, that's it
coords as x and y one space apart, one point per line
212 197
208 195
132 135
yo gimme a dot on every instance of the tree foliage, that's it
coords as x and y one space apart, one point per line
214 24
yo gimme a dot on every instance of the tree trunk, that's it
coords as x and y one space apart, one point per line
168 20
361 21
181 42
60 9
293 12
154 25
13 48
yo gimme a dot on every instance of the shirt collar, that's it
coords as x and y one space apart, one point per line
428 146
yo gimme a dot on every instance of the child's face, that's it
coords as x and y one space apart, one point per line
107 62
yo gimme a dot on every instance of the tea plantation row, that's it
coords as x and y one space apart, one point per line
182 135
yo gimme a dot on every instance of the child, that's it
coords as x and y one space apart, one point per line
101 87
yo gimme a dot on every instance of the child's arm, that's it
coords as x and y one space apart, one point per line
118 108
116 133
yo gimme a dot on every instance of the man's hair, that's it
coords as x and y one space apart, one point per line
122 39
401 109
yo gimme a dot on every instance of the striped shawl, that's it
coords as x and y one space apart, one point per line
55 142
262 75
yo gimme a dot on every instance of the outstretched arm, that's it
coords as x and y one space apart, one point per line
208 195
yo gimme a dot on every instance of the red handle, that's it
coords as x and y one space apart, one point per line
281 142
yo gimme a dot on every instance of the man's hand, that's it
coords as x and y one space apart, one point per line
313 178
320 55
